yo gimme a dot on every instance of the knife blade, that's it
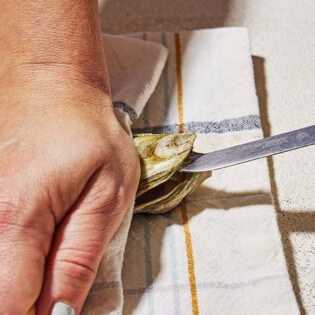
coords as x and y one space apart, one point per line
251 151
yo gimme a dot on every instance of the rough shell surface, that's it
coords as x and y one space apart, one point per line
162 187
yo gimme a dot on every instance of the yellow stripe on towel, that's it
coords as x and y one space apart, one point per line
179 83
188 242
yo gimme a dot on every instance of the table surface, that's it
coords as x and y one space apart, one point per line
283 48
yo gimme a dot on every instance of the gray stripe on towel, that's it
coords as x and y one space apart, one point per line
105 285
205 286
227 125
126 108
185 286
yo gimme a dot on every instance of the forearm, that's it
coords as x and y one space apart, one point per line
58 39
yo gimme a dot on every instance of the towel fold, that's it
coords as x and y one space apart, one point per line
219 251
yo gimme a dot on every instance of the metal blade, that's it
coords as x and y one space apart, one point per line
251 151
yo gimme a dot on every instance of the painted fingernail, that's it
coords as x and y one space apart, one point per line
61 308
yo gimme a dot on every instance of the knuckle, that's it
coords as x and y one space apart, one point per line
12 213
11 203
119 193
20 220
22 211
104 194
77 264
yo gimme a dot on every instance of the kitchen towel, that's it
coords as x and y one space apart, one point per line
219 251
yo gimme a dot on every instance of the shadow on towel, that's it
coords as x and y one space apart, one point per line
208 199
288 221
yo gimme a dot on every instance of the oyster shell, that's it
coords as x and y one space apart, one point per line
162 187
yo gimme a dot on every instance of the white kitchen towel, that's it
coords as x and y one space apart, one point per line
135 67
219 252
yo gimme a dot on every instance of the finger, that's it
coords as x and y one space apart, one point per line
25 242
80 242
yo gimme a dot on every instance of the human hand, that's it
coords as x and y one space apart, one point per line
68 173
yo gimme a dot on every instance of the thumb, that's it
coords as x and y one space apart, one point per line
79 243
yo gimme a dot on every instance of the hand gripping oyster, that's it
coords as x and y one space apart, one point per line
162 186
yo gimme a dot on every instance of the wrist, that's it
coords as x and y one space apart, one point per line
32 92
55 80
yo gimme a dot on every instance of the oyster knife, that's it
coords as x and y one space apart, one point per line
251 151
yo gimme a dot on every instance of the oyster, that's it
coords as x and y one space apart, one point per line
162 186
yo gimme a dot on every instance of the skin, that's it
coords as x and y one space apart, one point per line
68 171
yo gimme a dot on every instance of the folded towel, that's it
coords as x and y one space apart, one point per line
219 251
